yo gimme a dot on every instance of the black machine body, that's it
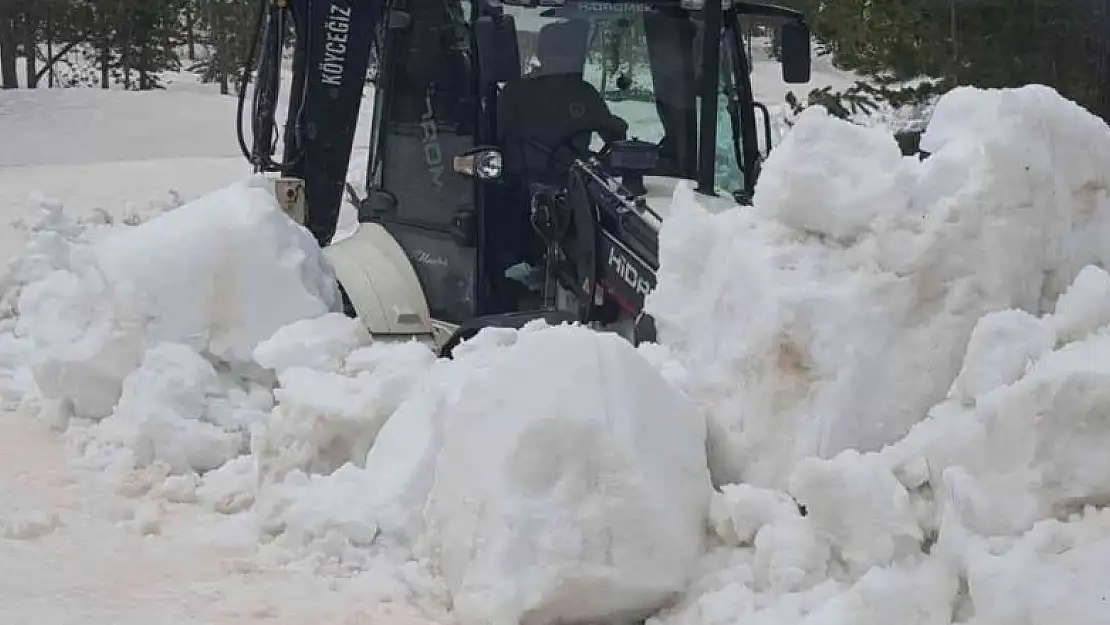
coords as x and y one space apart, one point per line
522 153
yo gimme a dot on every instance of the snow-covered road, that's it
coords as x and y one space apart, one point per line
76 552
66 560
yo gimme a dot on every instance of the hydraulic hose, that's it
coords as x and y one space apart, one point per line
256 35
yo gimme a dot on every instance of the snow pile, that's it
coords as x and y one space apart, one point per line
348 455
173 410
981 515
590 495
908 375
145 334
1029 446
218 277
539 497
985 513
892 369
836 313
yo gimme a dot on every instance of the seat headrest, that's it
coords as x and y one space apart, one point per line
561 47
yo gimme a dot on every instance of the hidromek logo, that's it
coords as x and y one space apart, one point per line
628 272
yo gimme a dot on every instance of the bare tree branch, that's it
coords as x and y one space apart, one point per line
57 57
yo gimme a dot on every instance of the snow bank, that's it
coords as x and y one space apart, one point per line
218 275
946 318
836 313
540 497
220 379
985 513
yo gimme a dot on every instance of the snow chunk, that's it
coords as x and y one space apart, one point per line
858 505
1056 573
325 420
218 275
165 415
323 514
83 346
320 343
909 594
790 556
1002 346
802 169
1024 452
328 482
231 488
1085 307
221 274
572 485
738 511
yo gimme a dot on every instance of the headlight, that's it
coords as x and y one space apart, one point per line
483 164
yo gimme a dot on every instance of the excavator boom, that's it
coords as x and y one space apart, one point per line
330 61
333 44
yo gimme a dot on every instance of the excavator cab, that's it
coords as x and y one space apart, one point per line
523 153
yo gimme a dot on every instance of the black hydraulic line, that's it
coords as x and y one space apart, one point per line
711 69
264 58
256 33
267 88
298 93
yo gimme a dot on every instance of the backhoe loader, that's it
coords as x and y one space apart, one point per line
522 155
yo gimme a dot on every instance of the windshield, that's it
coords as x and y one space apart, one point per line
645 62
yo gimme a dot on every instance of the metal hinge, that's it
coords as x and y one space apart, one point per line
290 195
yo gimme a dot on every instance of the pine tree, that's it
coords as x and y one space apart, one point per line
9 77
227 26
988 43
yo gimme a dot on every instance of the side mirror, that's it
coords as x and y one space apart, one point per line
795 50
498 51
481 163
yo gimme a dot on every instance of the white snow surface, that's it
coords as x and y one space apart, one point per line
880 396
580 474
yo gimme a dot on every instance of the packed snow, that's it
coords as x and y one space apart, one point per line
879 396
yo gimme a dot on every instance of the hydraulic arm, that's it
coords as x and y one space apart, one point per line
331 55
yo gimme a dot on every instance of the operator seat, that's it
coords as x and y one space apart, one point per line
543 107
551 103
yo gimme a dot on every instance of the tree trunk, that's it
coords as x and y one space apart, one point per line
50 51
50 35
25 29
224 89
105 58
190 31
125 55
30 47
9 77
142 41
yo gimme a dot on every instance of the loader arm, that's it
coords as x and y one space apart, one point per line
331 56
330 61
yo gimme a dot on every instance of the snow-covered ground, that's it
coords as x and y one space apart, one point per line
878 398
